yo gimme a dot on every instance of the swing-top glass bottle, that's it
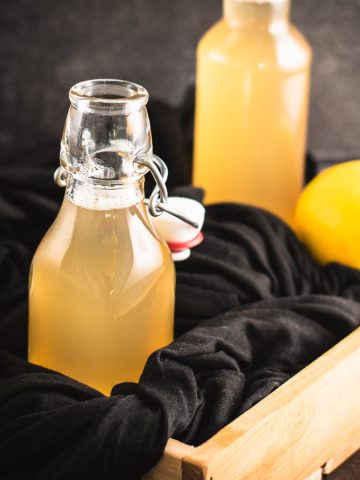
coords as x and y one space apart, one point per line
102 282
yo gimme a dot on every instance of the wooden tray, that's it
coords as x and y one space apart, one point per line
304 429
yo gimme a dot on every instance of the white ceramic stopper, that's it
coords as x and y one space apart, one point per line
175 231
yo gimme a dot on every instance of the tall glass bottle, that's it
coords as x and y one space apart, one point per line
102 282
253 70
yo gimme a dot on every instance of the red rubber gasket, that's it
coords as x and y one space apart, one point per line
179 247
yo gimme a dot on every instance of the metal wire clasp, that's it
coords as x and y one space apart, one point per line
60 177
157 203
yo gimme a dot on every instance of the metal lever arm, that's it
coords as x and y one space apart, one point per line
157 203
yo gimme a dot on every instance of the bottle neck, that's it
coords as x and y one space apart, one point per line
106 136
270 15
104 196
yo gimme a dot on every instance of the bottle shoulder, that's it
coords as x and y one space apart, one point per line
287 49
214 36
116 233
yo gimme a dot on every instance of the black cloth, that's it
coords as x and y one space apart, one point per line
252 309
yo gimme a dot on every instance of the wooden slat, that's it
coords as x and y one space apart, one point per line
293 431
342 454
170 465
318 475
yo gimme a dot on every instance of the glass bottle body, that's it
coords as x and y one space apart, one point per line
253 76
101 295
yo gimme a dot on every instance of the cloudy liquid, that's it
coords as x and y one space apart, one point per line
101 295
251 117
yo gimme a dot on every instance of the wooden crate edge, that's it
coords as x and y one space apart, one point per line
169 466
328 376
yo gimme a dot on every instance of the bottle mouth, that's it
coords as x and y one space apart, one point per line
108 96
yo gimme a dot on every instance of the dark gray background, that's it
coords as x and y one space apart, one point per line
46 46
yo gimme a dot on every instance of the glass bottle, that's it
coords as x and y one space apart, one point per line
253 75
102 283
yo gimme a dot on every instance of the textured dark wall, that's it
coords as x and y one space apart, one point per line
46 46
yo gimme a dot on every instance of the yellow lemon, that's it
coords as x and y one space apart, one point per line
327 216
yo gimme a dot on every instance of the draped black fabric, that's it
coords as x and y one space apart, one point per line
252 309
